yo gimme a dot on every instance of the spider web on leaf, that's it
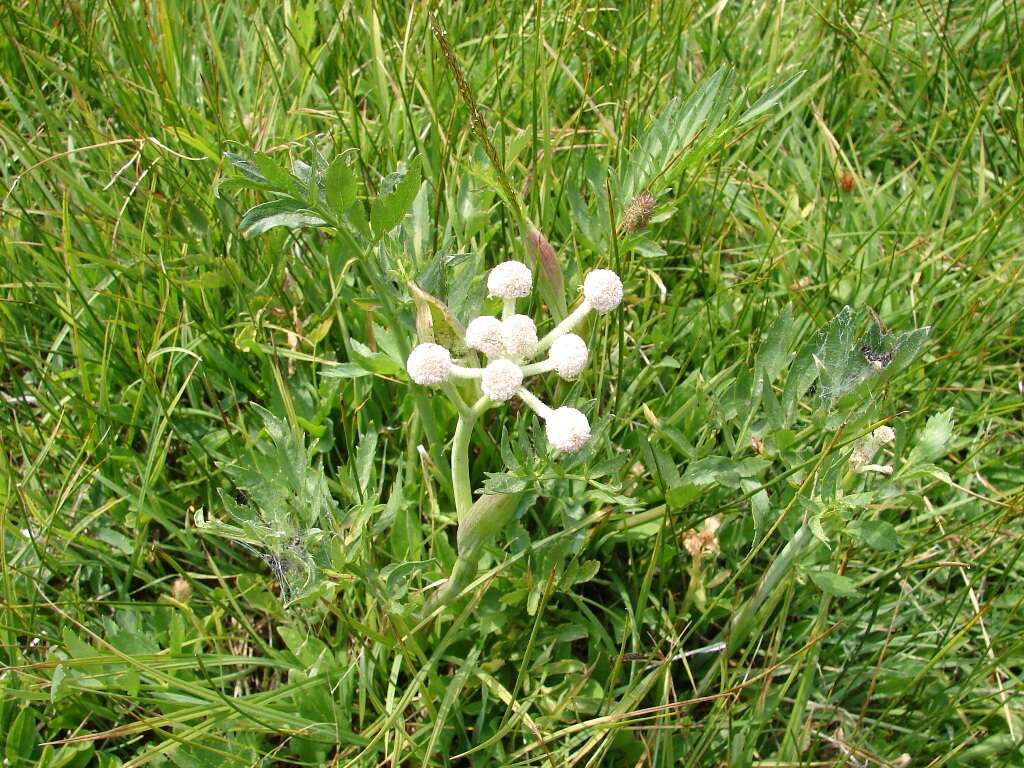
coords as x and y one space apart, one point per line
840 364
286 514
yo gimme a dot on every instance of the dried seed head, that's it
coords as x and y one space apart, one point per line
501 380
510 280
567 430
519 333
429 365
638 213
603 289
484 335
704 542
568 355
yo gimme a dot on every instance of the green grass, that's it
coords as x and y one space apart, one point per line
137 325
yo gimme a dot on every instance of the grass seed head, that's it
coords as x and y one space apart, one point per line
638 213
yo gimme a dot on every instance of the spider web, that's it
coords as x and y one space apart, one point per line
839 364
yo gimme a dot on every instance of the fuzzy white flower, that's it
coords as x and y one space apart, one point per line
501 380
884 435
429 364
603 290
568 355
510 280
567 429
484 335
519 333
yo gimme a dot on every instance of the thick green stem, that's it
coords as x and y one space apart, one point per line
460 464
463 488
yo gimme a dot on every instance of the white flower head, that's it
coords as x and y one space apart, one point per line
429 365
884 435
510 280
567 429
484 335
602 289
568 355
520 335
501 380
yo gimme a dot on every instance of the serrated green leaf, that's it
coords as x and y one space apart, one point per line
769 99
365 457
375 362
681 495
387 211
774 352
339 185
277 176
436 322
723 470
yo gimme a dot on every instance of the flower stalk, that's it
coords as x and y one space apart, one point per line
508 343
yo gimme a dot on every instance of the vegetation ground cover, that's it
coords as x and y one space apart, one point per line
724 576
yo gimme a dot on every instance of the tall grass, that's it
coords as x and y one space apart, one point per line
137 325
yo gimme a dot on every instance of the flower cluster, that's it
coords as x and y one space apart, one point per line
509 343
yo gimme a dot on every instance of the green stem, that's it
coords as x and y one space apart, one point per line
461 484
460 464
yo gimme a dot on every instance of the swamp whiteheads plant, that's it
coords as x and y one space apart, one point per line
510 280
884 435
501 380
602 289
519 334
865 450
484 334
568 356
509 345
429 365
567 429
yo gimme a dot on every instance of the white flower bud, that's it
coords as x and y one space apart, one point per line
603 290
501 380
429 364
884 435
520 335
484 335
510 280
568 355
567 429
